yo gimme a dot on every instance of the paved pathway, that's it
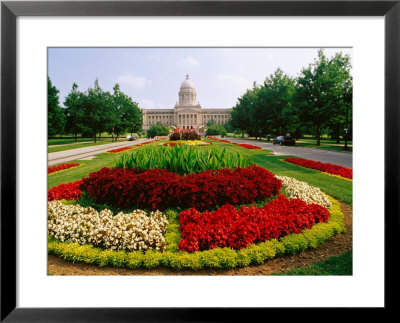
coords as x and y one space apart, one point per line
323 155
85 152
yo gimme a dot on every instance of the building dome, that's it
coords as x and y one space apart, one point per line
187 84
187 93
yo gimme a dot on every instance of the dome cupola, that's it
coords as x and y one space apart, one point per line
187 93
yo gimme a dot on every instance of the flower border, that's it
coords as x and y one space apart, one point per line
318 171
226 258
63 170
330 174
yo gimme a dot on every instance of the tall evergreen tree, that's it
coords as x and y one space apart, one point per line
56 116
75 112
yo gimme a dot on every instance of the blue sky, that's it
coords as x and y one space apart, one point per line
152 76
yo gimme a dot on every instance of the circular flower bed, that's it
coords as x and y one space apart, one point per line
204 222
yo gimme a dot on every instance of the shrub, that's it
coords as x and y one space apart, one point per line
160 189
176 135
157 130
227 227
190 135
184 134
216 129
182 159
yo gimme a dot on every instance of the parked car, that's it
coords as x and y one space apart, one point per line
132 138
284 140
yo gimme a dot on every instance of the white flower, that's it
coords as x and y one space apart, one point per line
305 192
124 231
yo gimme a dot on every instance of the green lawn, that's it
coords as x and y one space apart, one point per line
326 141
323 146
336 187
74 174
333 266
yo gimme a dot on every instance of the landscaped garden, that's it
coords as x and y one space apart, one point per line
192 207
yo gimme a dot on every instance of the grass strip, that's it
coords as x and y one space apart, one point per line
333 266
63 170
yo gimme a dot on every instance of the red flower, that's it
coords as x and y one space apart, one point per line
249 146
323 167
70 191
160 189
60 167
227 227
241 145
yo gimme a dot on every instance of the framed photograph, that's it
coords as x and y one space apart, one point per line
162 78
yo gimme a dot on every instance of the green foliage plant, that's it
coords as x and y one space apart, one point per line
216 129
157 130
183 159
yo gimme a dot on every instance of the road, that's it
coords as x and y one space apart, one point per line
87 152
323 155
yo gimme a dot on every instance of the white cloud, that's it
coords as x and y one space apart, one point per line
137 82
188 61
225 81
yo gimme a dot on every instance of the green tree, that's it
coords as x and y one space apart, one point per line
273 111
157 130
319 98
74 103
216 129
97 109
228 127
126 114
210 122
241 112
55 114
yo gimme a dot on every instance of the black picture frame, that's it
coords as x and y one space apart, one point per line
10 10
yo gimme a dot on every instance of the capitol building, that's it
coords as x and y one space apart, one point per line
187 113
